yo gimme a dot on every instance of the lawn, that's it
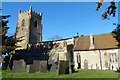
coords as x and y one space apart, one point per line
79 74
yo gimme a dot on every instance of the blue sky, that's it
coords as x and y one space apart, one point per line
63 18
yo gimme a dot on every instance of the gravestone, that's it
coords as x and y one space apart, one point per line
19 66
31 68
43 66
85 64
63 67
28 68
37 65
97 67
53 67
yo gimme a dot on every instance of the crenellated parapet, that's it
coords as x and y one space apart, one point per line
30 12
53 45
40 46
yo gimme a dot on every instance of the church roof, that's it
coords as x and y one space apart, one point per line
101 41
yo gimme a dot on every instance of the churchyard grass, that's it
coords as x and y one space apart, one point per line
79 74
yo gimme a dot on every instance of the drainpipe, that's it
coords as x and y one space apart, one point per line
100 59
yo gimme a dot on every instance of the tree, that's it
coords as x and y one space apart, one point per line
116 33
111 10
8 42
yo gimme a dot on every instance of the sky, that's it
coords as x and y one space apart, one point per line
56 0
64 19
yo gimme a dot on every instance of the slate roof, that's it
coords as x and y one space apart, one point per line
101 41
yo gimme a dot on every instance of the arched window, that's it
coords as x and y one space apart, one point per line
35 24
23 22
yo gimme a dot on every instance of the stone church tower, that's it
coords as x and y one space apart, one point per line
29 28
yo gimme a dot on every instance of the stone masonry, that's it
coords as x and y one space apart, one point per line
29 28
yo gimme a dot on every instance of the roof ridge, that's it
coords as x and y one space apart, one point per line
103 34
98 34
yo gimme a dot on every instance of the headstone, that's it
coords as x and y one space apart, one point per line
64 67
28 68
85 64
31 68
92 66
53 67
19 66
37 65
43 66
97 67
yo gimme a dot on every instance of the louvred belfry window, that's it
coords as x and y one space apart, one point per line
35 24
23 22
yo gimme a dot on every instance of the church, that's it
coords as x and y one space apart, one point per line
84 52
97 52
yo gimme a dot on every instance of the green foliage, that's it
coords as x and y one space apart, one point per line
116 33
8 42
82 35
111 10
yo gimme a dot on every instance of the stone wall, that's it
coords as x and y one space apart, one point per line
35 32
97 59
58 49
22 30
26 29
92 57
53 51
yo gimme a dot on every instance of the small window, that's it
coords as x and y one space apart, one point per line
23 22
113 57
78 59
35 24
